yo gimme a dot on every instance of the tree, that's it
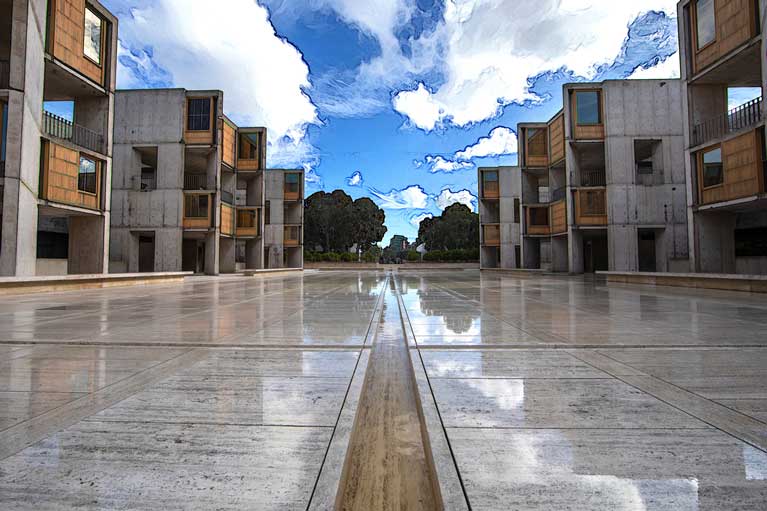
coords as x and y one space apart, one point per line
456 228
335 222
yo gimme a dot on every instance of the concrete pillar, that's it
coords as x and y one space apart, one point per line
227 257
212 260
575 249
559 255
254 253
86 245
715 233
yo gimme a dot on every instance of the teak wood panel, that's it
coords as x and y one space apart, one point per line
537 160
735 22
67 39
198 137
558 217
60 173
743 176
491 235
587 131
227 219
538 230
581 216
557 139
245 230
292 236
228 144
195 222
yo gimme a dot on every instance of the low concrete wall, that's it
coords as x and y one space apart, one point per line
51 267
751 265
26 285
724 282
392 267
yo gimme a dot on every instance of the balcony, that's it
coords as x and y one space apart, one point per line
744 117
538 220
591 207
69 177
593 178
195 181
63 129
292 236
248 222
491 235
558 215
5 73
733 170
198 211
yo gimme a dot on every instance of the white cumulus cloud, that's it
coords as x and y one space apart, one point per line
232 47
355 179
501 141
416 220
668 68
448 197
440 164
493 47
412 197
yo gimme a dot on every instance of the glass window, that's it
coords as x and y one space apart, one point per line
516 211
249 143
705 22
713 169
490 183
292 183
588 108
268 213
86 177
92 35
198 114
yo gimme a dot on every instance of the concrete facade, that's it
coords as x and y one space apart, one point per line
500 218
285 214
727 211
192 199
57 105
607 194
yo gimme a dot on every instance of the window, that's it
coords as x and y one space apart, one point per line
268 213
516 211
644 156
52 245
148 179
490 183
92 32
536 142
539 216
3 129
588 108
196 206
292 183
751 242
713 170
705 22
198 114
249 143
86 176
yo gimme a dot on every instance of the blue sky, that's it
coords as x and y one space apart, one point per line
399 100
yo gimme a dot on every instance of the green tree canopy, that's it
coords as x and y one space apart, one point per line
456 228
335 222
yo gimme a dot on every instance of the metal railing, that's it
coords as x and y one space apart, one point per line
745 116
195 181
227 197
64 129
593 178
5 74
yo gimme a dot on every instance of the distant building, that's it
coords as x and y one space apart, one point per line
191 189
500 217
723 47
399 243
57 78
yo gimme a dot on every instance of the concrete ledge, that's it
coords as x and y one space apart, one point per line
253 273
719 281
25 285
391 267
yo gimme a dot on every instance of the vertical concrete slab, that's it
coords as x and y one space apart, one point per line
86 244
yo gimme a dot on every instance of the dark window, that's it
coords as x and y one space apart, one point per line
93 29
516 211
148 179
86 177
198 115
539 216
3 129
589 111
292 183
268 213
644 156
751 242
705 22
196 206
713 169
52 245
249 144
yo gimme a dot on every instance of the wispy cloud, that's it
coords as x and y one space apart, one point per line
437 164
412 197
355 180
416 220
502 141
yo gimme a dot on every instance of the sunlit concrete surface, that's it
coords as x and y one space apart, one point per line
228 393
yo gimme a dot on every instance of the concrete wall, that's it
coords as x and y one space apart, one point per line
501 212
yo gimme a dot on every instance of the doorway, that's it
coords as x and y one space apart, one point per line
595 254
647 255
145 254
193 256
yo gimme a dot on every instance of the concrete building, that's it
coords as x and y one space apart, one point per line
603 181
500 217
57 78
191 191
723 48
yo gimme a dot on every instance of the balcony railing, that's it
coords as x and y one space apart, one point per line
64 129
5 73
593 178
743 117
227 197
195 181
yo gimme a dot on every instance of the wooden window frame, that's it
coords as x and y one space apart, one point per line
545 141
497 182
197 197
102 35
97 168
694 26
297 183
210 114
600 107
701 168
258 146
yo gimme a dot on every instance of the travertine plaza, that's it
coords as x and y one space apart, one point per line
375 390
